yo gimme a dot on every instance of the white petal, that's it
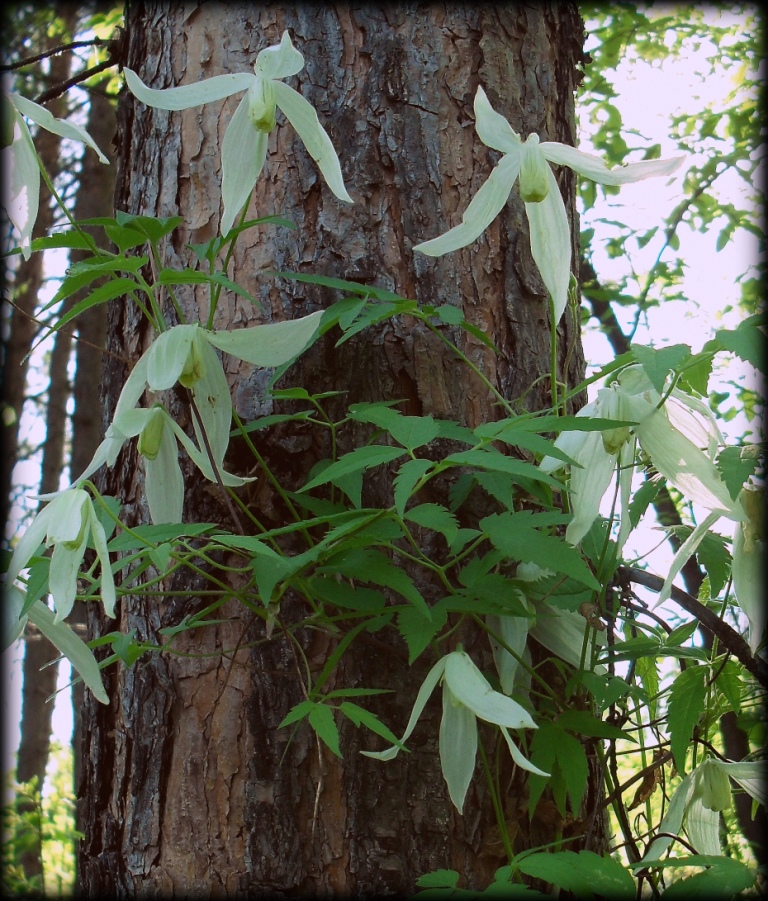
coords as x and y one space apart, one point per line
684 553
62 578
164 484
626 459
472 689
133 388
519 758
571 442
750 775
458 747
71 646
673 819
686 467
45 119
484 208
21 182
203 463
29 542
206 91
107 580
492 128
279 61
703 827
71 516
168 355
588 483
748 565
302 116
213 401
513 630
427 687
551 244
243 152
268 345
594 168
13 621
562 632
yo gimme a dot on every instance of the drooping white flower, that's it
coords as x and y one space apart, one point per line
20 164
467 695
185 354
529 162
244 148
698 800
66 524
679 436
749 562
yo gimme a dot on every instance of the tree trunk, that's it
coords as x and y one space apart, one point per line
191 788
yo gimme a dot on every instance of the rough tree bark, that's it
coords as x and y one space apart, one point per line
190 787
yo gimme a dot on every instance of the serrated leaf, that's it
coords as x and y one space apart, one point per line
496 462
356 461
724 878
735 470
687 698
407 476
438 879
584 723
147 536
435 517
730 684
658 362
321 720
297 713
680 634
361 716
410 431
747 342
418 630
585 874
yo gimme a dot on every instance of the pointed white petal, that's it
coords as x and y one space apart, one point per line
71 517
519 758
458 747
203 463
703 827
99 537
686 467
13 621
471 688
21 182
164 485
427 687
594 168
29 542
302 116
484 208
588 483
562 632
492 128
133 388
62 577
571 442
748 564
243 152
213 401
71 646
513 630
168 355
268 345
750 775
626 459
45 119
206 91
684 553
673 819
280 61
551 244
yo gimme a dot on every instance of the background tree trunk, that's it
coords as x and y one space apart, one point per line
190 786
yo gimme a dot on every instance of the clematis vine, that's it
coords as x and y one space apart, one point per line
21 165
467 695
680 437
528 161
244 148
698 800
66 524
185 354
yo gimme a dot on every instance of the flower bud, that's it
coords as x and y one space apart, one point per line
194 367
261 104
534 183
151 436
715 786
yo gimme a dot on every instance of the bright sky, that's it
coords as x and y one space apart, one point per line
649 96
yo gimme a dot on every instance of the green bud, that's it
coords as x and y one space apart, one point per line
261 105
534 184
715 786
194 367
151 435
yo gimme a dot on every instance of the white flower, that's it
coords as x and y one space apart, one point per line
680 437
698 800
185 353
66 524
748 563
244 148
20 164
466 696
529 161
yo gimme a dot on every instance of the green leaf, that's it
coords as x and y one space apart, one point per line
449 314
642 499
405 481
735 470
418 630
680 634
585 874
153 228
724 878
438 879
517 536
435 517
72 238
729 683
341 285
584 723
321 720
148 536
658 363
605 689
356 461
195 277
687 698
497 462
410 431
304 708
361 716
747 342
350 597
555 751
